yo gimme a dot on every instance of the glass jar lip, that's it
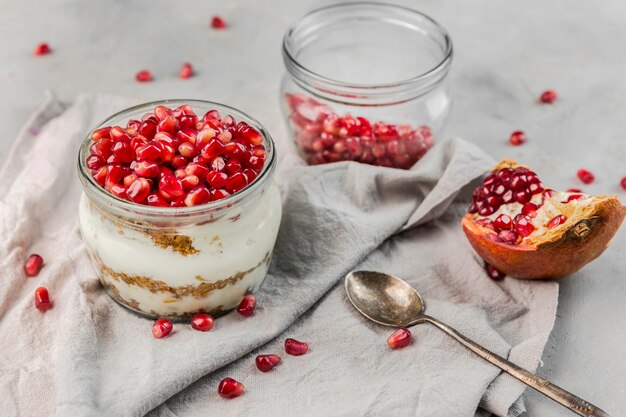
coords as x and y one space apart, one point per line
125 205
439 67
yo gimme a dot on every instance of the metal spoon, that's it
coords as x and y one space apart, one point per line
390 301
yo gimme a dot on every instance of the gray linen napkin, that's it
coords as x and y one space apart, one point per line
90 357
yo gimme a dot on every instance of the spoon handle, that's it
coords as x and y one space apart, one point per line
558 394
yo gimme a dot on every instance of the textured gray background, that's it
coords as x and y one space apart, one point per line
506 54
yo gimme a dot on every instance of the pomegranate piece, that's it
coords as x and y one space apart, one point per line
186 71
399 339
266 363
42 299
143 76
162 328
517 138
493 273
42 49
218 23
247 305
229 388
296 348
33 265
548 97
202 322
585 176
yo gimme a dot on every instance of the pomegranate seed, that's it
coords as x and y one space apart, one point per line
573 190
118 191
229 388
143 76
493 273
555 221
523 226
623 183
523 196
517 138
548 97
218 23
42 299
575 197
218 164
295 348
94 162
162 328
148 129
151 151
509 236
266 363
247 305
167 125
189 182
197 169
232 167
219 194
503 222
147 169
42 49
186 71
129 179
216 179
202 322
585 176
399 339
138 191
170 187
156 201
101 133
236 183
123 152
530 209
198 196
213 148
33 265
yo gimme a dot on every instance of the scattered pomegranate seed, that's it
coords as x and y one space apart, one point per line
162 328
42 299
186 71
42 49
247 305
266 363
218 23
143 76
585 176
560 219
295 348
517 138
573 190
229 388
623 183
202 322
548 97
399 339
33 265
574 197
493 273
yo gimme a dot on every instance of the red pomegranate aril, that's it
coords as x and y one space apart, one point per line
232 167
123 152
42 299
197 169
503 222
517 138
229 388
236 151
585 176
138 191
249 134
129 179
118 191
179 161
147 169
168 125
33 265
202 322
167 152
115 174
170 187
218 23
555 221
623 183
100 176
161 112
162 328
507 197
535 188
523 225
250 175
187 150
399 339
187 135
509 236
148 129
530 209
236 182
296 348
101 133
143 76
198 196
151 151
575 197
94 162
102 148
42 49
494 274
190 182
247 305
255 163
214 148
573 190
156 201
188 122
217 164
548 97
216 179
219 194
266 363
186 71
523 196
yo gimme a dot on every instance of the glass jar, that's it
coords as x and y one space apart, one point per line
176 262
366 82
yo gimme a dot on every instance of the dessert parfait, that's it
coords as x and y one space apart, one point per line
179 212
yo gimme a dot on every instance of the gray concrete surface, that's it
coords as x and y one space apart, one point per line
506 54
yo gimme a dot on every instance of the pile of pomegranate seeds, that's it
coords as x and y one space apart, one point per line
186 71
229 388
33 265
494 274
173 158
162 328
247 306
218 23
42 49
585 176
324 136
42 299
399 339
517 138
296 348
266 363
143 76
548 97
202 322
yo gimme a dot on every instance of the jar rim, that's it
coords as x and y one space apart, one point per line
267 171
348 89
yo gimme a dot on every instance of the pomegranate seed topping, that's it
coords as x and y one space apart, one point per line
503 222
219 194
548 97
42 299
555 221
232 167
229 388
530 210
236 183
167 125
523 226
42 49
170 187
266 363
33 265
202 322
197 196
399 339
101 133
123 152
94 162
295 348
517 138
213 149
156 201
143 76
623 183
218 23
216 179
138 191
151 151
162 328
585 176
247 306
147 169
186 71
494 274
189 182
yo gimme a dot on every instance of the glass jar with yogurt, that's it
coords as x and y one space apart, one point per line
179 261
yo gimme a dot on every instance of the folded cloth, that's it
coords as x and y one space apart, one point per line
90 357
